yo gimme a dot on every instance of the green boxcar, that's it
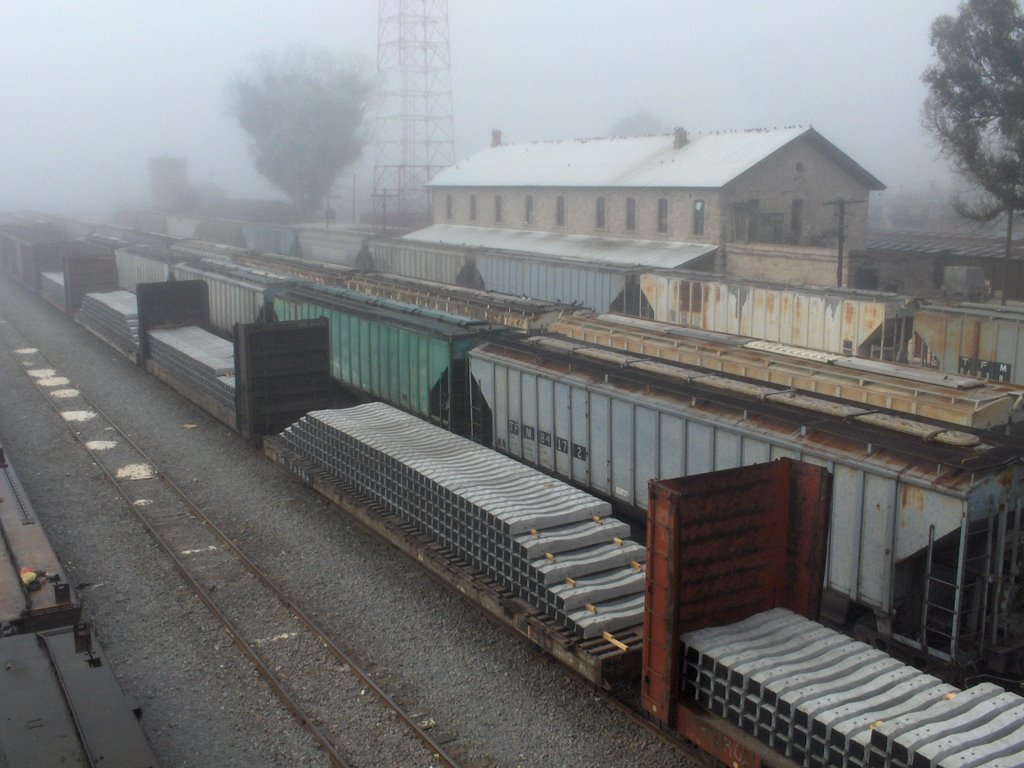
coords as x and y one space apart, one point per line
413 358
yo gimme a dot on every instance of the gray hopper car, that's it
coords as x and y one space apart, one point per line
926 521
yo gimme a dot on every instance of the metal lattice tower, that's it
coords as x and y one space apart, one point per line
414 136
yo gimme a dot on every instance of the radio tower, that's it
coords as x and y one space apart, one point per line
414 137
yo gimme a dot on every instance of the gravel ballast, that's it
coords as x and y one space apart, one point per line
203 703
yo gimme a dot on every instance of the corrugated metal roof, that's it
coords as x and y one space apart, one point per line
927 245
709 160
601 250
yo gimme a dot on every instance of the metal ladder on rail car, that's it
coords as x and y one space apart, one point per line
960 609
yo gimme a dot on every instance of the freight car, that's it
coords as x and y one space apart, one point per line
839 320
941 397
980 340
726 663
600 273
926 519
59 700
597 656
413 358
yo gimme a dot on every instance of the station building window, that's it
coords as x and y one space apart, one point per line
560 211
663 214
497 209
472 207
698 217
599 220
631 214
528 213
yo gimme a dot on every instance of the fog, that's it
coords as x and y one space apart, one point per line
90 91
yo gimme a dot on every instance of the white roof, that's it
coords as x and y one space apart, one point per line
708 160
655 254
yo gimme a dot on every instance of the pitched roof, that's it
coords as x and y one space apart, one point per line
708 160
593 250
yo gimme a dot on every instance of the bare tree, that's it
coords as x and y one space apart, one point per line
304 113
975 106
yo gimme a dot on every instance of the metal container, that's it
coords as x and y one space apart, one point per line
236 292
901 503
843 321
274 238
410 357
142 264
602 287
334 246
942 397
973 340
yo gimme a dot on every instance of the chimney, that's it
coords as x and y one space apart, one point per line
680 139
495 138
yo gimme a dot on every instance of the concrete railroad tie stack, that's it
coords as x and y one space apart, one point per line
552 545
51 285
114 316
823 699
197 357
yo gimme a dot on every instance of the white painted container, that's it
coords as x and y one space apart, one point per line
845 322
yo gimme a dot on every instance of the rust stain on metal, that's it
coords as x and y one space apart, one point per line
723 546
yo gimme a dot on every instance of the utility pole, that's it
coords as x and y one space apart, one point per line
840 206
382 198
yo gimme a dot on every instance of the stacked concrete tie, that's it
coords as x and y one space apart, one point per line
113 316
51 287
554 546
822 699
204 361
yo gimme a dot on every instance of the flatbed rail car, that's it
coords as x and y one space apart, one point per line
60 702
839 320
27 250
87 267
926 520
941 397
606 661
268 376
410 357
25 549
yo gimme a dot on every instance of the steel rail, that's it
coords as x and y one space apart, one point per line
438 751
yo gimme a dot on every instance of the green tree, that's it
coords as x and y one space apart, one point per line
975 106
304 113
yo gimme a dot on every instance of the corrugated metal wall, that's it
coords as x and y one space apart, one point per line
829 321
613 440
231 301
988 343
134 268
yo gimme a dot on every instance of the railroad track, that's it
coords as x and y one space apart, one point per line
321 684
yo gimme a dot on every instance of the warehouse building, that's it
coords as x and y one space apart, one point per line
745 187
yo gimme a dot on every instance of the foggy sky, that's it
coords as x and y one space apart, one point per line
90 91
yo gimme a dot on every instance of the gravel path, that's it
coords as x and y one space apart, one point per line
203 704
